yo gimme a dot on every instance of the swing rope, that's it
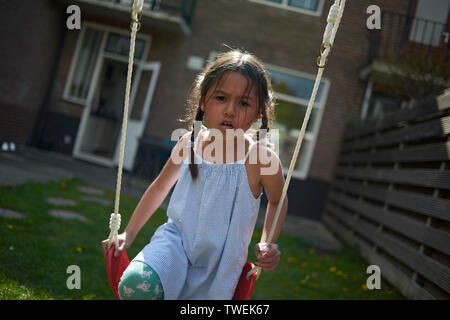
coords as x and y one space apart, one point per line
333 21
114 222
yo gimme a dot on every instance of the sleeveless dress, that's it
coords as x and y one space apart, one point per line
201 250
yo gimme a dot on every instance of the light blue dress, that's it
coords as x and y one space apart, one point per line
201 250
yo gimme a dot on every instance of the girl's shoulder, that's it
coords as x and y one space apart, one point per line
262 154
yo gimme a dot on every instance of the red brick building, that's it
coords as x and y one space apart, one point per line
63 89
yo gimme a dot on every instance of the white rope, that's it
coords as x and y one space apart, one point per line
114 222
333 20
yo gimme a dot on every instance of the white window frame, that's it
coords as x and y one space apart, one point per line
106 29
311 136
319 106
284 5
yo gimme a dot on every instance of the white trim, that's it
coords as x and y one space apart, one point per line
296 100
73 63
284 5
136 128
319 106
77 153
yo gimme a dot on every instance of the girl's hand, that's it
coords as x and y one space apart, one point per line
267 256
125 241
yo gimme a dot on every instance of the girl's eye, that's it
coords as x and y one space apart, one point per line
220 98
244 103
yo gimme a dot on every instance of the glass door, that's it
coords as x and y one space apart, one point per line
103 123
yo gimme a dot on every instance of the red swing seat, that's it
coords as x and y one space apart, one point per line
115 266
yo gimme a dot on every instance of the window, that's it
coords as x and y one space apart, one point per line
312 7
87 57
120 45
430 22
95 43
293 90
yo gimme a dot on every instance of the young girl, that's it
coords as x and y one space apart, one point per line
201 250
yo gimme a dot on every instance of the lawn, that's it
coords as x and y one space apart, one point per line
36 251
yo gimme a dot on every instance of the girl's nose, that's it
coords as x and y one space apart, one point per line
229 109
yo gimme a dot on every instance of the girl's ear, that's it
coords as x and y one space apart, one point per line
202 105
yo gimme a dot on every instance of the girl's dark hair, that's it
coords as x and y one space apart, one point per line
252 69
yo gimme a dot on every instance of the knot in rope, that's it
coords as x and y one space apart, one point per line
333 14
114 222
333 20
136 14
137 9
114 226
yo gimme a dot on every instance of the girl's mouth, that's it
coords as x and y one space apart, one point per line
226 125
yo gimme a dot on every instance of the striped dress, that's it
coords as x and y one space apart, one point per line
201 250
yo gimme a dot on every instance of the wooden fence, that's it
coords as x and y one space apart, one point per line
391 196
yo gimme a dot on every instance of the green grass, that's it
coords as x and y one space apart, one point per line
36 251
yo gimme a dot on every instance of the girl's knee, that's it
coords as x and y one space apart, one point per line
140 282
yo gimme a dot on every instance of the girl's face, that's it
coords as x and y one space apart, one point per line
229 105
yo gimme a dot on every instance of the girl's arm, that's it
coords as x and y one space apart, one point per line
153 197
273 181
159 189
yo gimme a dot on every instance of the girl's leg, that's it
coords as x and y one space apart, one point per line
140 282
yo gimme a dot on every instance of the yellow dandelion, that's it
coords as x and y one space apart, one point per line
332 269
79 249
303 281
304 264
314 285
339 273
292 259
296 288
344 289
29 221
255 234
10 226
364 287
345 276
63 185
312 251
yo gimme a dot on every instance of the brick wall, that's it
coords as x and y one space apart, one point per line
29 33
